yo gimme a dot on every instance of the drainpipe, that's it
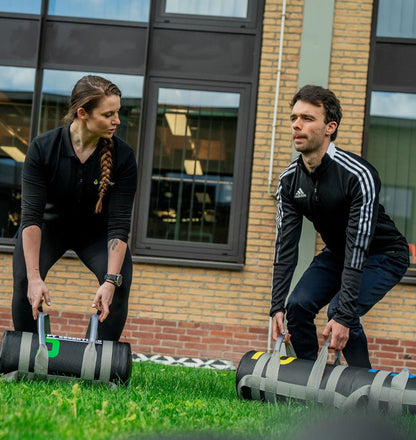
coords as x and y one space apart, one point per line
276 98
276 101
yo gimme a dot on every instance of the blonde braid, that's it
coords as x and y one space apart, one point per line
106 168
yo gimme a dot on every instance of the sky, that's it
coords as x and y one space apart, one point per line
61 82
393 105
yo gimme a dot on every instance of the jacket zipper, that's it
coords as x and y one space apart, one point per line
315 193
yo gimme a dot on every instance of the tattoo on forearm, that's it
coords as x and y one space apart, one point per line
112 244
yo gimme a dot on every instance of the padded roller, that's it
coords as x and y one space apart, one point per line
46 355
272 377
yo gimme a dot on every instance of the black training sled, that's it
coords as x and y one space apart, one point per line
47 356
274 377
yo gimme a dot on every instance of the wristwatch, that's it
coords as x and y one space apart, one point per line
117 280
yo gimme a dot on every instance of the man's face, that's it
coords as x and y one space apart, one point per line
310 133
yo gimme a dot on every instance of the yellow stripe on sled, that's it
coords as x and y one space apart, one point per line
257 355
287 360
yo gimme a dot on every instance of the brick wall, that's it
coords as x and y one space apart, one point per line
221 314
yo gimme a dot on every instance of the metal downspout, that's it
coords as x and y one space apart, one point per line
276 101
276 98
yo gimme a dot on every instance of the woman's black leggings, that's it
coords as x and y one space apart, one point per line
93 252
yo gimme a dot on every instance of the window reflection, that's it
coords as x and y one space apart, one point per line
193 162
22 6
229 8
396 18
129 10
56 90
16 94
392 151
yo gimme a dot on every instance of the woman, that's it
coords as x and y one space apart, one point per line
78 188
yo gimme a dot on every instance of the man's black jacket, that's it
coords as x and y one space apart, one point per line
341 198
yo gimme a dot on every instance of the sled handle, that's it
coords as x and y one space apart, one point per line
89 359
43 327
41 358
279 342
337 360
93 330
290 351
272 370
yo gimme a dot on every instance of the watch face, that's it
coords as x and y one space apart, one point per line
117 279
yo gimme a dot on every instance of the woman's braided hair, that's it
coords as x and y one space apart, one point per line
86 94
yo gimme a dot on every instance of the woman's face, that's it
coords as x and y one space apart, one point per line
103 120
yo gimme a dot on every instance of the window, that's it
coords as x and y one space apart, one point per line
230 8
392 151
56 90
22 6
129 10
204 14
16 86
191 172
390 133
396 18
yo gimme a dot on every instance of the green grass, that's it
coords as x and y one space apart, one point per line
161 401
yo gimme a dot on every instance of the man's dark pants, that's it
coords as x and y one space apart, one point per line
320 286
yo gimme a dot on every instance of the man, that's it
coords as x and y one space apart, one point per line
364 255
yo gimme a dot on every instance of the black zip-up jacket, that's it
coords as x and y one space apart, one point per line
341 198
61 192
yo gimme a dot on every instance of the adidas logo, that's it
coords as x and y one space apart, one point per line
300 194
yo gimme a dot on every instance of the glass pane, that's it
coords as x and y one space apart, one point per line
22 6
193 161
16 95
219 8
57 88
129 10
397 18
392 151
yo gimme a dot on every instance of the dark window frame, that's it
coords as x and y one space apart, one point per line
233 251
196 21
392 84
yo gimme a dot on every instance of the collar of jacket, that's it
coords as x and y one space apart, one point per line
323 166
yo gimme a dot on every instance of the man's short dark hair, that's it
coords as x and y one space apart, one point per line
318 96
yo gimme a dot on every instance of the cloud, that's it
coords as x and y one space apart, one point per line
198 98
61 82
20 79
393 105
